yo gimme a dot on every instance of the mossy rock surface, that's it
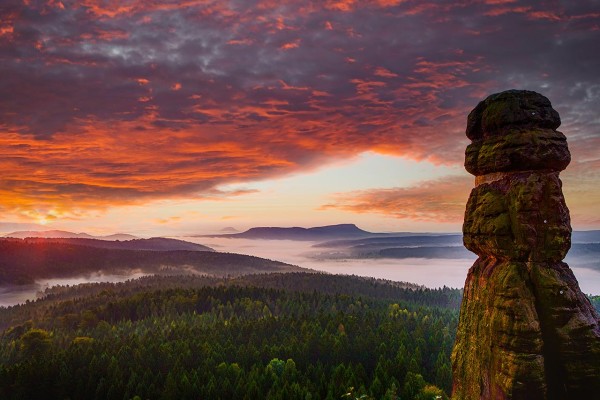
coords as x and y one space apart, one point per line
512 108
499 345
525 332
518 150
520 217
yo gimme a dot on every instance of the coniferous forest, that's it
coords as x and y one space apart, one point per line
276 336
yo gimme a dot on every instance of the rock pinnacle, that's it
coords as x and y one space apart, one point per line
526 331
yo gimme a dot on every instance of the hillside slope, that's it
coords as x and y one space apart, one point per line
151 244
22 262
66 234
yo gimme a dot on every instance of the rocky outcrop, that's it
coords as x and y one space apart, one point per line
526 331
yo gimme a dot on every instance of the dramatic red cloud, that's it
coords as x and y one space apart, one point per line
440 200
105 103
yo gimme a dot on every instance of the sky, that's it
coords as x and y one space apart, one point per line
181 117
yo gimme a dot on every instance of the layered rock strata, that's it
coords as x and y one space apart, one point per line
526 331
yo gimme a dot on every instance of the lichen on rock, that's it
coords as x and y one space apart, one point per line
525 331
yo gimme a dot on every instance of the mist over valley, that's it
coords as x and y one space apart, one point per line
29 266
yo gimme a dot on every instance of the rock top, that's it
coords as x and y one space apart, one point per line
515 131
513 109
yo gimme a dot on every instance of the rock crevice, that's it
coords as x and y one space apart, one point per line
526 331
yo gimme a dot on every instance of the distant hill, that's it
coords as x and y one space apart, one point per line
152 244
229 229
23 262
585 250
18 226
393 241
117 236
415 246
586 236
585 255
297 233
446 252
66 234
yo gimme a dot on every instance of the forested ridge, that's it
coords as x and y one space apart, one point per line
22 262
275 336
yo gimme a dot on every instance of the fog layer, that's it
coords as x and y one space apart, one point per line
429 272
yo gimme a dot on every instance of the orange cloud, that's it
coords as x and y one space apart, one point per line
168 221
241 42
6 30
545 14
290 45
494 2
389 3
441 200
384 72
340 5
106 103
495 12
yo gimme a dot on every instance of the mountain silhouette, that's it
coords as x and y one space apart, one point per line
66 234
296 233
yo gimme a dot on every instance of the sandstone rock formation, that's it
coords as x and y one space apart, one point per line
526 331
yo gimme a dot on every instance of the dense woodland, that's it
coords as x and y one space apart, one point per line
277 336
